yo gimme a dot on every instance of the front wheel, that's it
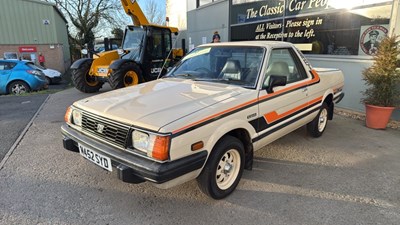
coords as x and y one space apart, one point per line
128 74
83 81
316 127
224 168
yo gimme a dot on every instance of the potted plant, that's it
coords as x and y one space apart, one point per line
382 79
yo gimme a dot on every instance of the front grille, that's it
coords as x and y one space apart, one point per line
111 131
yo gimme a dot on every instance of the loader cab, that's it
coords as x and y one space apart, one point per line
149 46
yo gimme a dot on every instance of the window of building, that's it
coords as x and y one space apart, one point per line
10 55
205 2
336 27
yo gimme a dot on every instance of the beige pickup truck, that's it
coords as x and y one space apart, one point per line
205 119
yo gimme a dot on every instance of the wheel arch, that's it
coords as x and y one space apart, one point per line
10 82
116 64
329 101
244 136
78 63
240 131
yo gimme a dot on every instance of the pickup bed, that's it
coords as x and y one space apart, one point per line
206 117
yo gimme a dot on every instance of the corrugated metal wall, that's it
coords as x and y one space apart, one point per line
22 22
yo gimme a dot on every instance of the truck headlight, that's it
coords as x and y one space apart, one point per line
141 141
153 145
77 117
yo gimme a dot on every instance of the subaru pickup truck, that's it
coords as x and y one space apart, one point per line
206 117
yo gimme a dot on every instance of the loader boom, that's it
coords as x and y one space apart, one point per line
133 10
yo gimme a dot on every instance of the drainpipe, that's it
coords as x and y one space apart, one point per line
394 26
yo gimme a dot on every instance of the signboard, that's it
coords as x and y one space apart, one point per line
270 9
370 38
27 49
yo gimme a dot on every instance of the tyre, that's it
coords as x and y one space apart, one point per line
224 168
316 127
48 80
18 87
128 74
83 81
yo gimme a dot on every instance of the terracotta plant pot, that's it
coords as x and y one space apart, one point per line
377 117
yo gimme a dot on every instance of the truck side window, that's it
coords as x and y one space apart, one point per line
283 62
157 44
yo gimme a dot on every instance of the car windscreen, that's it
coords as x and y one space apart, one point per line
224 64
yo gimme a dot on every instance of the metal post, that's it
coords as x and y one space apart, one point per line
394 26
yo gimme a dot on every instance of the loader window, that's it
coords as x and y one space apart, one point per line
133 43
157 52
161 43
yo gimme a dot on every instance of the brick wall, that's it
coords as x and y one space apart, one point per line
53 53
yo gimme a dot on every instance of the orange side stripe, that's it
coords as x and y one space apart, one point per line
273 116
215 115
315 79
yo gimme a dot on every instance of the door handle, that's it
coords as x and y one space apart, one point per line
305 89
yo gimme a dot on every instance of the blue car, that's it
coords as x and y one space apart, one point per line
18 77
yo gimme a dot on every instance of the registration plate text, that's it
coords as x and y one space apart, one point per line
95 157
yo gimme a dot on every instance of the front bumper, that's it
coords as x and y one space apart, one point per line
55 80
134 168
338 98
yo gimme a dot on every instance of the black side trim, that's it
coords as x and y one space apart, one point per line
235 111
212 120
283 125
262 123
339 98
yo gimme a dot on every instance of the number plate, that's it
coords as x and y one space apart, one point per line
96 158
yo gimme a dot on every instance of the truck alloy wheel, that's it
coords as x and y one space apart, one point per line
128 74
228 169
223 169
131 78
316 127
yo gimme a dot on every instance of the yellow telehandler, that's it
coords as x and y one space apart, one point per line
146 53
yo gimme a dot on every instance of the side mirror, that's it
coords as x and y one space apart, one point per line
275 81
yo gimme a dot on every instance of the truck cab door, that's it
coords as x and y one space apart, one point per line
282 107
159 46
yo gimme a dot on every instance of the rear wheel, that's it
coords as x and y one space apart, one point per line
128 74
83 81
18 87
224 168
48 80
316 127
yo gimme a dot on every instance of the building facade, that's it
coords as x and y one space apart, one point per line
30 28
332 33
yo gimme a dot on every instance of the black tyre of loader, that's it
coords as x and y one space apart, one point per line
128 74
83 81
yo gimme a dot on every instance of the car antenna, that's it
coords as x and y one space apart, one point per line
169 53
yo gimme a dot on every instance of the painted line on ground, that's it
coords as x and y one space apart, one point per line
14 146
